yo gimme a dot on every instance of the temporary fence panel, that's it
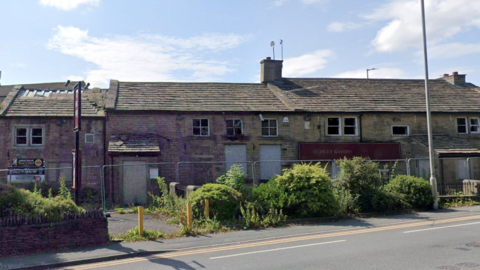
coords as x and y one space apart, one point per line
202 172
131 181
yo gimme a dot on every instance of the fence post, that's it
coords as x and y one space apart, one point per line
189 217
140 220
207 209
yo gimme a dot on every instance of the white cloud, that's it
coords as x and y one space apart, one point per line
452 50
306 64
381 73
68 4
444 19
146 57
342 26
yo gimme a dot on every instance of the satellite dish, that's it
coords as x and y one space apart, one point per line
272 44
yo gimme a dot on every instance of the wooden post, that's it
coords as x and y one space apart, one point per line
207 209
140 220
189 217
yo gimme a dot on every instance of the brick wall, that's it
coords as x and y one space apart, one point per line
48 237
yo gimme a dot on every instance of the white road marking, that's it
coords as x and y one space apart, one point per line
444 227
270 250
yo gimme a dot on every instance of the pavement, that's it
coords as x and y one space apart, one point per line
121 223
115 251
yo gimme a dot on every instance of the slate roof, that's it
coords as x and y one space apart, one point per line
377 95
51 99
176 96
449 146
133 143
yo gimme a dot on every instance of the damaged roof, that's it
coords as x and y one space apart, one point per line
51 99
134 143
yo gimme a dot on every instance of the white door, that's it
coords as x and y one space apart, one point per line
134 182
462 170
236 154
269 161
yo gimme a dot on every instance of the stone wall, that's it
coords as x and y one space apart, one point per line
49 237
57 148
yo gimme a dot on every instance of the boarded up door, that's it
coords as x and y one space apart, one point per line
423 168
462 170
236 154
269 164
134 182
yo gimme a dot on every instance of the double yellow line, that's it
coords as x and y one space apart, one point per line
271 242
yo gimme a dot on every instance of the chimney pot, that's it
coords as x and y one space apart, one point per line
445 75
455 73
268 58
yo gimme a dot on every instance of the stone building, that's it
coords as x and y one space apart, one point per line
37 123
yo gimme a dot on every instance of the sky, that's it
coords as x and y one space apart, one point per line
224 41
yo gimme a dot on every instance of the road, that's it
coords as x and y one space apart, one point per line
446 243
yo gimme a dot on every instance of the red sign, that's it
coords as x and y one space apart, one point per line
77 95
374 151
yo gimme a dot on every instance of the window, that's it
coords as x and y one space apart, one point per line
200 127
462 125
234 127
400 131
350 126
89 138
269 128
334 126
474 125
29 136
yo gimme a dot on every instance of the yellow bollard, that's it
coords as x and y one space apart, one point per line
207 209
189 217
140 220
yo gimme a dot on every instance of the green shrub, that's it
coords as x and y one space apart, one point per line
347 204
360 177
417 190
33 204
385 201
234 178
270 195
224 201
254 216
309 190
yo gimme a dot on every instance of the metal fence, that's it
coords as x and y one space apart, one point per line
89 194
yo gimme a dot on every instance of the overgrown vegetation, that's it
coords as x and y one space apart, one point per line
32 203
305 190
133 235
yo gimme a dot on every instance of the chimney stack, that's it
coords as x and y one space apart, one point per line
455 78
270 70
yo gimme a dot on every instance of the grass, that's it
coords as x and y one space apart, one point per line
133 235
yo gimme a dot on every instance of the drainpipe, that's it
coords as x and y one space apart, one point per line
360 124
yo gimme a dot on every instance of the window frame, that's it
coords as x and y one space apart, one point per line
470 125
269 127
402 135
345 125
29 136
340 120
200 127
233 127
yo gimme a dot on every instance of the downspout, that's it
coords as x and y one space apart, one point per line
360 124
